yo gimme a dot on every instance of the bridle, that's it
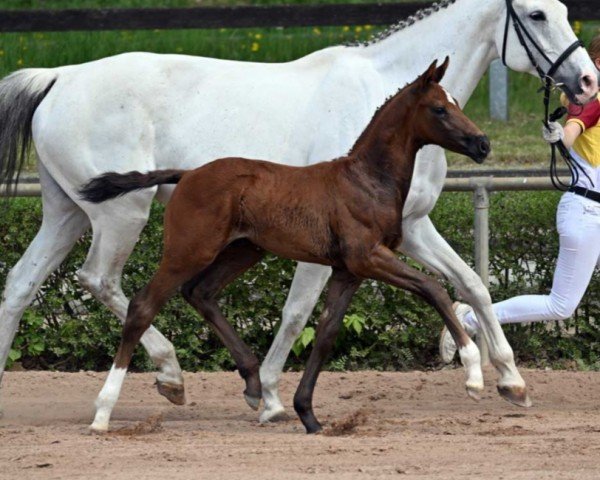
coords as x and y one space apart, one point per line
549 84
523 35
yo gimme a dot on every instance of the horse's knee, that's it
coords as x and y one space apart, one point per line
475 292
435 289
18 293
204 303
102 287
187 291
88 281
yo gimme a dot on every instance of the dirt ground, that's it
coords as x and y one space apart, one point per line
408 425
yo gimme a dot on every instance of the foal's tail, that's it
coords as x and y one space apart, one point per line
20 95
112 185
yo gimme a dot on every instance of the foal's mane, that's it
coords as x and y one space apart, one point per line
401 91
402 24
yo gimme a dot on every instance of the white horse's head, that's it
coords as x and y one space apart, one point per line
544 23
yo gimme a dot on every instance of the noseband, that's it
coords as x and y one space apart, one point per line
547 78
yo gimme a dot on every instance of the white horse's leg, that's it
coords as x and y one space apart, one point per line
63 224
423 243
115 232
309 281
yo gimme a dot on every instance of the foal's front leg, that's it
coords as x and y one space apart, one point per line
423 243
342 287
382 264
308 283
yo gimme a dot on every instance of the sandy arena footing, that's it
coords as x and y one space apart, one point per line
402 425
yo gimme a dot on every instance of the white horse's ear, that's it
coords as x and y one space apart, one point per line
441 71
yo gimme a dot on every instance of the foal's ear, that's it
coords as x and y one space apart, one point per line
428 76
441 71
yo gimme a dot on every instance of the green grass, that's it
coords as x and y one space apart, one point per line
515 143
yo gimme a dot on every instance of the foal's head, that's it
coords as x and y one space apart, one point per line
437 119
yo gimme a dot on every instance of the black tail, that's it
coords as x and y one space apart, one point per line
20 95
112 185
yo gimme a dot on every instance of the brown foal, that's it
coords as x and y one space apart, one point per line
346 213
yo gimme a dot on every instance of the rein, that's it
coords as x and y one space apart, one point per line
549 84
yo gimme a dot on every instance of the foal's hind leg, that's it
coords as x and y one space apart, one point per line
116 229
191 244
63 224
201 293
342 287
142 310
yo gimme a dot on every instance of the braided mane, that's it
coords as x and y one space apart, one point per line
402 24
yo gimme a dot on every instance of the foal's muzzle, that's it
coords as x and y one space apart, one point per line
478 147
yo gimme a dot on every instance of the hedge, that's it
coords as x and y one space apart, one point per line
385 328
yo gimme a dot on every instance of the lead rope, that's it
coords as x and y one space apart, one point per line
570 162
522 34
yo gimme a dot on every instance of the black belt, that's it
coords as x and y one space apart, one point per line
584 192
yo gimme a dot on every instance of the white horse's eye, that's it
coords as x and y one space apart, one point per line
538 16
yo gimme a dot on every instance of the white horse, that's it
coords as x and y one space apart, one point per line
142 111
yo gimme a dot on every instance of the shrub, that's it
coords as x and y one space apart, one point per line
385 328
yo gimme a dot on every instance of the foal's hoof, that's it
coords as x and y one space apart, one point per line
515 395
474 393
252 401
313 429
175 393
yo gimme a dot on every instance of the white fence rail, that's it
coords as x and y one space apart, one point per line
481 186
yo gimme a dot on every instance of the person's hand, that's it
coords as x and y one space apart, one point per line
553 133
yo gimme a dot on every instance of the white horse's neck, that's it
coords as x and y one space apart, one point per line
464 31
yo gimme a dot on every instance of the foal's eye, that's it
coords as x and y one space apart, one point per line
538 16
440 110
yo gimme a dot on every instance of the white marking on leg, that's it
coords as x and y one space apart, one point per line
107 398
470 358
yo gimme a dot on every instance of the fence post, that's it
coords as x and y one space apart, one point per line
498 91
481 202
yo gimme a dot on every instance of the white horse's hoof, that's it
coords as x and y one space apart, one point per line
516 395
272 414
175 393
98 429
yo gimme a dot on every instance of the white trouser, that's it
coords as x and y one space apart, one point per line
578 224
